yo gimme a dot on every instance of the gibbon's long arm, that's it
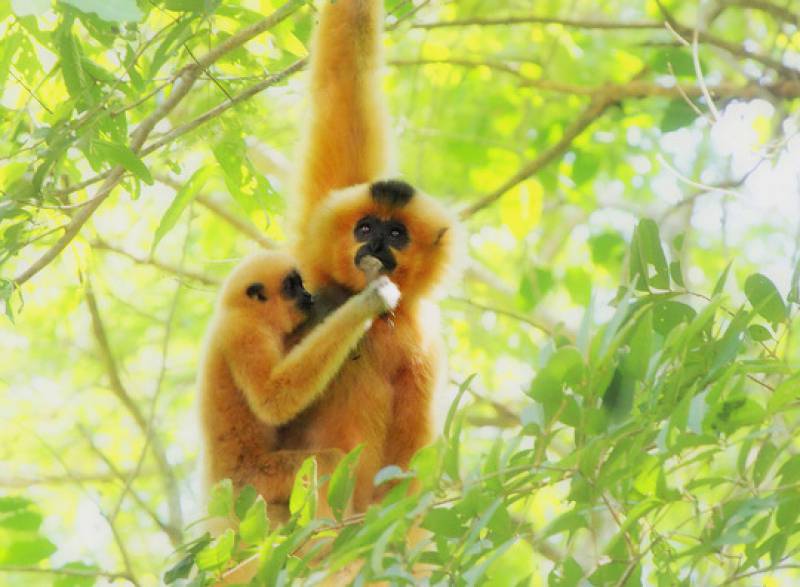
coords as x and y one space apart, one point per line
277 393
346 140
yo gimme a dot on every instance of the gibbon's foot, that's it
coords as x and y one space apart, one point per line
384 294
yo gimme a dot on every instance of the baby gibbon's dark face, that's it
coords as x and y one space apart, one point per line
291 289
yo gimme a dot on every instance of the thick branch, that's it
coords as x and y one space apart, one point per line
180 90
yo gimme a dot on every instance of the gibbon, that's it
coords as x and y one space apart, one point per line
251 384
345 211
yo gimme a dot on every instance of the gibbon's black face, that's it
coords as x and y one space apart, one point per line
291 288
381 236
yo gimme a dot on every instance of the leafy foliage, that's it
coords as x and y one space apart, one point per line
628 389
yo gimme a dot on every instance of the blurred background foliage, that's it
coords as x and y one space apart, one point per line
642 434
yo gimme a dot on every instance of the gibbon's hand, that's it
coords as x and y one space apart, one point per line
382 294
371 267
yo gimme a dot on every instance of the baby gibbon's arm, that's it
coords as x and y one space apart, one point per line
297 379
346 142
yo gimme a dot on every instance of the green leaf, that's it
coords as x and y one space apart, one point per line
766 457
678 59
110 10
668 314
71 57
254 526
720 284
185 195
758 333
343 481
220 501
216 555
585 167
443 522
122 155
303 499
676 115
27 550
608 249
247 497
765 298
74 581
392 473
646 252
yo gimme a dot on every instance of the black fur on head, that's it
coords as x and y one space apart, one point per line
393 192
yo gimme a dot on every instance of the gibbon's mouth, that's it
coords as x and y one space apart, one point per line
384 256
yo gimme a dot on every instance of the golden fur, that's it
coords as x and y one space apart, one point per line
251 384
383 397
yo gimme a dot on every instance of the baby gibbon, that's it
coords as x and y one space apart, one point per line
251 383
343 213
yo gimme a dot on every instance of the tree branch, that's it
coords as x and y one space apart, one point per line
599 104
779 12
786 89
533 19
242 225
118 389
102 245
175 535
180 89
67 572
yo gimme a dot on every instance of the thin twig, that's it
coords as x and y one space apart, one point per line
102 245
174 534
88 573
534 19
119 390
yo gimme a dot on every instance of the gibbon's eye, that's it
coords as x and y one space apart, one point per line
398 234
257 292
365 228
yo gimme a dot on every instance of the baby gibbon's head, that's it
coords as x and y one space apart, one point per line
411 234
266 287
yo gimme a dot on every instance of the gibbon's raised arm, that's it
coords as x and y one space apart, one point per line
346 141
297 380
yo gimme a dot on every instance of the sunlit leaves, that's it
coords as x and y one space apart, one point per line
122 155
764 297
182 199
342 482
220 500
647 253
111 10
20 540
216 554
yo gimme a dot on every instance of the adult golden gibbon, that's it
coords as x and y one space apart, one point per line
345 211
251 383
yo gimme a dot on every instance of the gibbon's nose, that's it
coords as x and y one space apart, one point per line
376 245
